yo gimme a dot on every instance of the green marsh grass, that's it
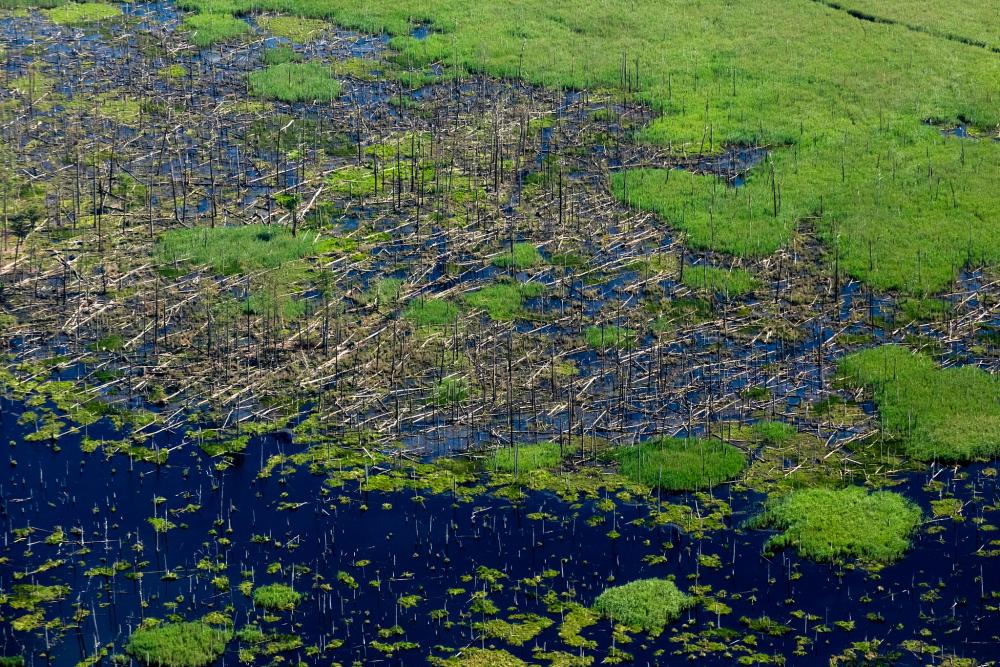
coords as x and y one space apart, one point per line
431 312
211 28
295 82
281 54
946 414
644 604
82 13
834 524
603 337
536 456
521 256
295 28
183 644
277 597
503 301
730 283
233 250
680 464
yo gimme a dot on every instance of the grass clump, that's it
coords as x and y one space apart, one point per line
520 256
277 597
295 82
211 28
293 27
833 524
605 337
950 414
450 391
281 54
82 13
353 180
431 312
503 301
233 250
680 464
530 457
184 644
730 283
644 604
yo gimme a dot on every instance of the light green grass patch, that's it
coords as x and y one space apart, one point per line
295 28
519 256
949 414
529 456
183 644
211 28
644 604
82 13
833 524
295 82
503 301
431 312
234 249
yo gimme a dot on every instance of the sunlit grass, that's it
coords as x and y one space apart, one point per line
832 524
295 82
645 604
950 414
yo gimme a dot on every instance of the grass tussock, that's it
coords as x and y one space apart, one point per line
277 597
680 464
431 312
949 414
503 301
833 524
537 456
183 644
520 256
645 604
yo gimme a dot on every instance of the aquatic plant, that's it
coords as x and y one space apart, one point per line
680 464
950 414
603 337
529 456
180 644
644 604
833 524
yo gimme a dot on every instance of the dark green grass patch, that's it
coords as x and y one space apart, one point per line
950 414
644 604
185 644
832 524
295 82
680 464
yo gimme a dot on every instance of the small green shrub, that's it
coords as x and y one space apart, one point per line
645 604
